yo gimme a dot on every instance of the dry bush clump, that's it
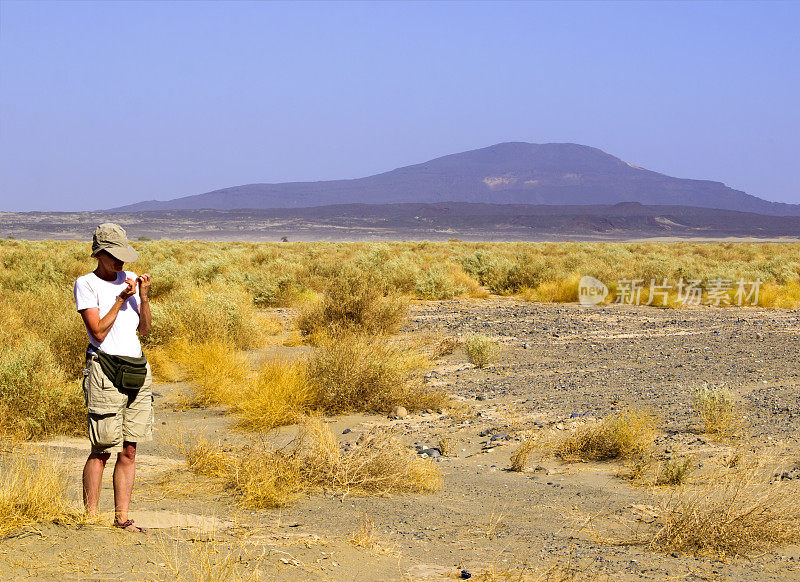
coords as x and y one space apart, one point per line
480 349
444 347
733 515
280 394
361 373
625 435
364 534
379 464
216 369
353 301
205 314
675 471
261 477
349 374
35 398
519 460
32 489
716 409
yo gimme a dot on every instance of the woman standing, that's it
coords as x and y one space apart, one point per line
116 379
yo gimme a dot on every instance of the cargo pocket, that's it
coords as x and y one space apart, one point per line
105 430
102 397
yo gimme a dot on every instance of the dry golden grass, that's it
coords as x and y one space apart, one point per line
675 471
524 569
210 292
263 477
32 489
364 535
353 301
716 409
36 399
625 435
280 394
379 464
446 446
519 460
206 560
480 349
363 373
735 514
218 371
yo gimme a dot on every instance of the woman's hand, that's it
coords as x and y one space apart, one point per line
129 291
144 285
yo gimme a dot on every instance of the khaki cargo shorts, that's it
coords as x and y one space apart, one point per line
116 416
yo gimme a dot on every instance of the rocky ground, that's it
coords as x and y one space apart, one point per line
560 366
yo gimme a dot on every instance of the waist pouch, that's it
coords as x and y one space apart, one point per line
124 372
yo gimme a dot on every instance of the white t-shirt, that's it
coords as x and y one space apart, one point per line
92 291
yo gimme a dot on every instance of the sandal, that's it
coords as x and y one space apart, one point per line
128 524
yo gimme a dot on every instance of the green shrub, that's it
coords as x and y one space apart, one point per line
480 349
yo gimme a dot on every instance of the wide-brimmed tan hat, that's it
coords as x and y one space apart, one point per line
111 238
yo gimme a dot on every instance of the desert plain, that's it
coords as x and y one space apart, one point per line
557 369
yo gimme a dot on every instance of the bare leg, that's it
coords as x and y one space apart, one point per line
93 481
124 474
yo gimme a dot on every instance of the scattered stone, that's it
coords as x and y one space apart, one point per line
398 412
346 431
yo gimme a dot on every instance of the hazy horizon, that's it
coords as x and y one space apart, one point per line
106 104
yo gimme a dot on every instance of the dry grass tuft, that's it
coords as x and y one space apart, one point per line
675 471
261 477
480 349
569 569
445 446
363 373
364 534
280 394
379 464
625 435
216 369
732 516
519 460
716 408
353 301
444 347
206 560
32 489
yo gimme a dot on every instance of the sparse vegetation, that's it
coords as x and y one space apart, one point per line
32 489
364 534
733 515
519 459
353 301
279 394
480 349
675 471
272 478
716 409
625 435
360 372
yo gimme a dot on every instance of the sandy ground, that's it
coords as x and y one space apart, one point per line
560 366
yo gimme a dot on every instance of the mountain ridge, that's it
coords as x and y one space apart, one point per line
505 173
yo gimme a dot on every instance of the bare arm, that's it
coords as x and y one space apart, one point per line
100 326
144 308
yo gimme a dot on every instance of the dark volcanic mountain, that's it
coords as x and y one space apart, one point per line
507 173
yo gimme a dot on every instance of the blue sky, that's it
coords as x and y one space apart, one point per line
103 104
